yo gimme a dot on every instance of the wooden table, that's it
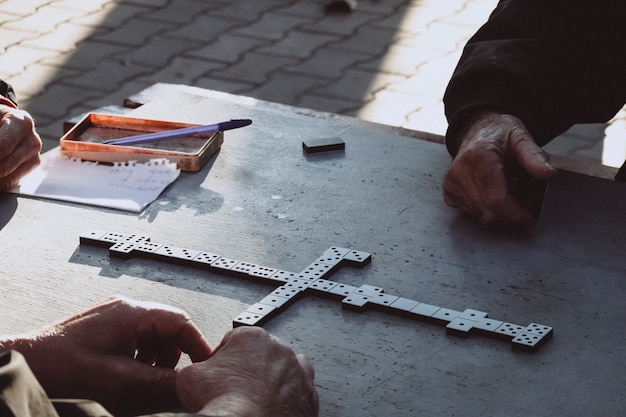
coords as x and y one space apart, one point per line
263 201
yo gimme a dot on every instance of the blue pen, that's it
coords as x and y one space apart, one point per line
177 133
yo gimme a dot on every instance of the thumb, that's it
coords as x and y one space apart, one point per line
530 156
129 381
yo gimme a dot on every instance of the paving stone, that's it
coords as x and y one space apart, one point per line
358 85
228 48
254 68
328 63
63 38
16 58
45 20
271 26
204 29
249 10
285 88
298 44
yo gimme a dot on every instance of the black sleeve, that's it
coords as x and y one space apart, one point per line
551 63
7 91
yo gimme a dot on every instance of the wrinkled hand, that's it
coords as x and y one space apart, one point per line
476 181
120 353
20 146
251 374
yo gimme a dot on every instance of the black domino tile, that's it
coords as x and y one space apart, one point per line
323 145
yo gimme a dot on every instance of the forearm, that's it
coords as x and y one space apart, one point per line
538 61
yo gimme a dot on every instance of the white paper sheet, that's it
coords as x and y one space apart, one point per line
129 186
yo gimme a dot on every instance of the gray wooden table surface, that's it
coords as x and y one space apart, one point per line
263 201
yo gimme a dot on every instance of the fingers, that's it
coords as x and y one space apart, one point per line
530 156
250 373
478 182
20 146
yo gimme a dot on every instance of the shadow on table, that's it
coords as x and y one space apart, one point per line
8 207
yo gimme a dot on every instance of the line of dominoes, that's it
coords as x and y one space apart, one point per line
314 280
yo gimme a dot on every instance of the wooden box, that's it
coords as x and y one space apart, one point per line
85 141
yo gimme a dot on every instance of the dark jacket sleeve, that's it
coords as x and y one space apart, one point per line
22 396
7 92
551 63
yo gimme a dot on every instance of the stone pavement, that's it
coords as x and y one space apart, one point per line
387 61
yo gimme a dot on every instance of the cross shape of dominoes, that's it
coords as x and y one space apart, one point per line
314 279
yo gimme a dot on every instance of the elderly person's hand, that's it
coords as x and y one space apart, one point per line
250 374
121 353
20 145
477 179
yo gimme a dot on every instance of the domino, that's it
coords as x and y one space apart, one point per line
291 286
